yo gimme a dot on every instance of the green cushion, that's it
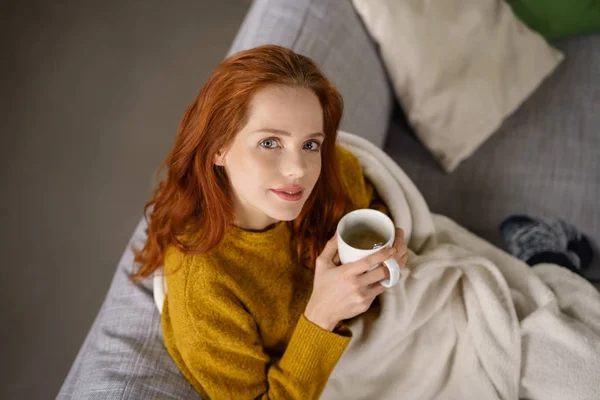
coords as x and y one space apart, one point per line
554 19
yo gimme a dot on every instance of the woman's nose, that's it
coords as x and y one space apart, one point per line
293 165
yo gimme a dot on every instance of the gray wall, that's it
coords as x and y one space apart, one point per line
92 97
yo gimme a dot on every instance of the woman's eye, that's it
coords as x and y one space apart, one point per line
312 145
268 143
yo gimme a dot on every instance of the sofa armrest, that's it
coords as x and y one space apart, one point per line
332 34
123 356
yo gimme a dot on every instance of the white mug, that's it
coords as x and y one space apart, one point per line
380 223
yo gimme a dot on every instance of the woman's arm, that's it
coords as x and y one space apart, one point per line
219 349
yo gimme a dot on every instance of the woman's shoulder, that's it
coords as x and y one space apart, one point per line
350 167
347 158
181 269
353 177
195 287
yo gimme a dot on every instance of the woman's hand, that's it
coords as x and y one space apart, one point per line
401 255
345 291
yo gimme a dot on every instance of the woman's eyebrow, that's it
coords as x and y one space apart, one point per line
285 133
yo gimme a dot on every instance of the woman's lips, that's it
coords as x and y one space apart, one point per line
286 195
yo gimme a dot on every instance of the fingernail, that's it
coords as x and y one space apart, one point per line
392 250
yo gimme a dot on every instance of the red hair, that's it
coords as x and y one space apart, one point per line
196 197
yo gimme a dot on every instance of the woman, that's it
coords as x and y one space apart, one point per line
244 224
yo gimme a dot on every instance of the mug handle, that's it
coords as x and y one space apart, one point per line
394 268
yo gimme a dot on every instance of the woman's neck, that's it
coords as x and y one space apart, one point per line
257 227
250 218
254 222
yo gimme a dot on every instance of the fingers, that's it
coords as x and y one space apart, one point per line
402 258
375 290
399 237
374 276
366 263
330 250
402 255
336 259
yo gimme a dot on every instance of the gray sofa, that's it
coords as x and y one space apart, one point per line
545 159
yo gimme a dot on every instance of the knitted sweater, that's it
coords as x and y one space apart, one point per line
233 318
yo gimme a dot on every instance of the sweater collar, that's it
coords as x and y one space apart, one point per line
273 235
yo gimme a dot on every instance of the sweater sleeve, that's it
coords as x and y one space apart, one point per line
221 354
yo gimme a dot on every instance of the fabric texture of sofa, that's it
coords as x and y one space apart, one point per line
544 160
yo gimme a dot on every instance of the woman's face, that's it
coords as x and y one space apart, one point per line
274 162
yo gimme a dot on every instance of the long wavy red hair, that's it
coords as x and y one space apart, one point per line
195 196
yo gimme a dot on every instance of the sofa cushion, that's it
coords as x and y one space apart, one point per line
458 67
544 160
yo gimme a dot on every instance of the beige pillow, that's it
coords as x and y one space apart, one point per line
459 67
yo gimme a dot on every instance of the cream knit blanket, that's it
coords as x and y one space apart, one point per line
469 321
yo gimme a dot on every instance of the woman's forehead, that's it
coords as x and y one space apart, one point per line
294 110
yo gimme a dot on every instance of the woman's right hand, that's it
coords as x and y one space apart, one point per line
344 291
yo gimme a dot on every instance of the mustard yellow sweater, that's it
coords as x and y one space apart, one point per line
233 317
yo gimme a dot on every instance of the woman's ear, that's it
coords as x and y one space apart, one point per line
220 158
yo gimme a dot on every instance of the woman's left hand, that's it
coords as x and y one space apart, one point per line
401 255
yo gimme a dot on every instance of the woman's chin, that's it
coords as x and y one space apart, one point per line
285 215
